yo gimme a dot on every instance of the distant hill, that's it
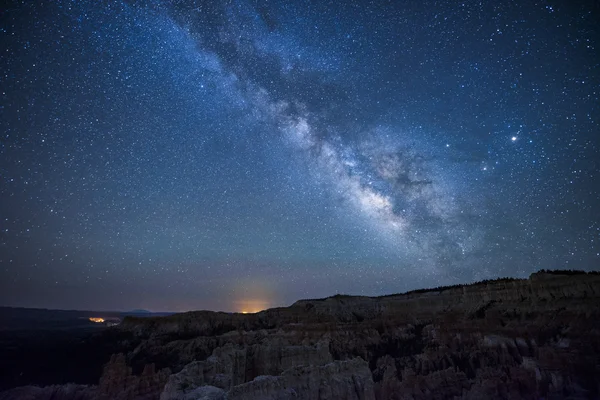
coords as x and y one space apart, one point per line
37 319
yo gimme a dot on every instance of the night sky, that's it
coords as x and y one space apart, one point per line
239 155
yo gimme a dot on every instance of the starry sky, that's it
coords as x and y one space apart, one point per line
238 155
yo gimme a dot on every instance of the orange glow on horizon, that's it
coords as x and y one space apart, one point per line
97 320
251 306
251 296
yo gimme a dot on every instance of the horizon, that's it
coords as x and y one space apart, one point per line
243 311
242 156
247 311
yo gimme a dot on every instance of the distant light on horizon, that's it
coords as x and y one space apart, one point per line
252 306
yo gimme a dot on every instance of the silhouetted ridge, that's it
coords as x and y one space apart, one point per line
568 272
418 291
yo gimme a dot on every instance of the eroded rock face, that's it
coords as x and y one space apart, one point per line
59 392
532 338
118 382
230 366
350 379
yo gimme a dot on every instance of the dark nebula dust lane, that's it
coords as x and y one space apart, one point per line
239 155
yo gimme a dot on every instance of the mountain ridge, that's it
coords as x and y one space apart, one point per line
498 339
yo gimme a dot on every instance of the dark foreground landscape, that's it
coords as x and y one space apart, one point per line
503 339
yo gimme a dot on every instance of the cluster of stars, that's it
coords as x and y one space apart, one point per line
175 156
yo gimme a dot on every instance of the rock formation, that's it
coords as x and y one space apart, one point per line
504 339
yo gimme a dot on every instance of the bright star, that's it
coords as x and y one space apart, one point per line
514 138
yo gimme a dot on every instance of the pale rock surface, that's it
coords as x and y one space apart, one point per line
506 339
349 380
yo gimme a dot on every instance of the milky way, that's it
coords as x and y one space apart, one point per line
240 155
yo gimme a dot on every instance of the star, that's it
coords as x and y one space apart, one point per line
235 157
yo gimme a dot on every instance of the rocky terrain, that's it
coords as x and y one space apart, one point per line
503 339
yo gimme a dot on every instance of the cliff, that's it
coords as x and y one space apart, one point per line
503 339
